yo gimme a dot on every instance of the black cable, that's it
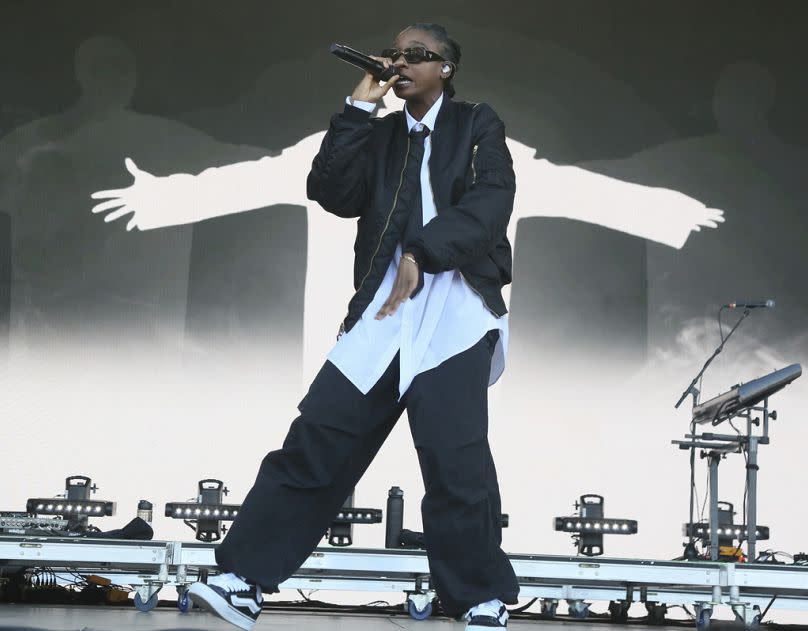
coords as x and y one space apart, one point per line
773 554
522 607
706 495
692 464
719 411
300 591
692 479
741 537
693 490
688 612
693 440
693 431
771 602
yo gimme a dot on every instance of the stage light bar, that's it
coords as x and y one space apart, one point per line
589 525
68 507
206 512
340 531
600 526
701 530
74 504
359 516
194 510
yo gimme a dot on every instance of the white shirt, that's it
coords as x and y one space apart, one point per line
445 318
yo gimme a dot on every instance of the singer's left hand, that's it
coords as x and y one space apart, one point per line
405 283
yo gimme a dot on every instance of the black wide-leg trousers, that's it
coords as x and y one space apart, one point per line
301 487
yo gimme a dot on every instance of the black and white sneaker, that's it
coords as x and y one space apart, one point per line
230 598
488 615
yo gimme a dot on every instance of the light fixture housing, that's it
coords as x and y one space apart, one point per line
74 505
728 531
69 508
589 525
205 515
606 526
340 532
195 510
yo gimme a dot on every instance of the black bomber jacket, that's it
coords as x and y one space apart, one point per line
358 168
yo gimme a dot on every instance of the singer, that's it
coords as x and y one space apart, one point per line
431 188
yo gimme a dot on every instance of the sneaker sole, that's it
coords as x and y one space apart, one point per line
209 600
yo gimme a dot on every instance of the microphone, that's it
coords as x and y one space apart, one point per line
363 61
758 304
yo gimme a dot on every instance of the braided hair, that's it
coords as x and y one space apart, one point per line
450 49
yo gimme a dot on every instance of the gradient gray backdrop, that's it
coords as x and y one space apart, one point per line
707 98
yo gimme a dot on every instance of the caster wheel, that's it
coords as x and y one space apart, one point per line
579 613
703 619
754 623
419 615
656 614
184 603
618 612
150 604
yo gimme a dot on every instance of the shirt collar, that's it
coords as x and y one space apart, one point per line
429 117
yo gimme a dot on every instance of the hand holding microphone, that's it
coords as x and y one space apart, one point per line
368 89
376 69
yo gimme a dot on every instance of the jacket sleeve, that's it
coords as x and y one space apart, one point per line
463 232
338 178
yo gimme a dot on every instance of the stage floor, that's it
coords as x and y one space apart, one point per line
62 618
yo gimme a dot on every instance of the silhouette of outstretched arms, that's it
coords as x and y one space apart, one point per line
545 189
337 181
182 198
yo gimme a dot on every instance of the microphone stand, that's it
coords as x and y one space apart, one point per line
691 389
690 547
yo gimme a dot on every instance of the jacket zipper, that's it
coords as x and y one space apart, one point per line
432 192
479 294
473 170
387 223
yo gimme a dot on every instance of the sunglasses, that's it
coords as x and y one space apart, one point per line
413 55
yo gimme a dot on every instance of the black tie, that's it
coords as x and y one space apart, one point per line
411 184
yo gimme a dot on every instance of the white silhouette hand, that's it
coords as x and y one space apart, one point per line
183 198
152 199
684 212
709 217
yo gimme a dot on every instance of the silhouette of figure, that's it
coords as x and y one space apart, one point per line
564 119
745 168
73 275
544 189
